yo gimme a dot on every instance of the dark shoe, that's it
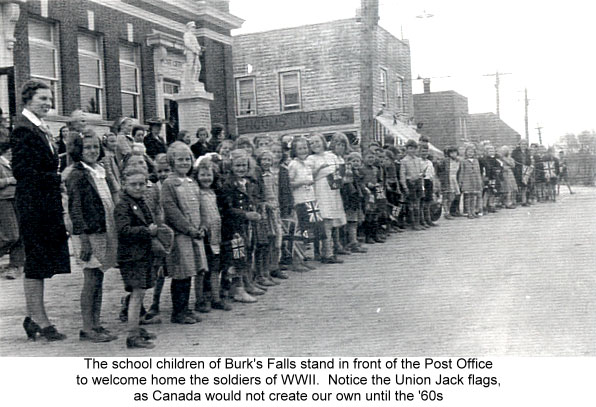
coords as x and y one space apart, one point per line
31 328
183 319
263 281
331 260
203 307
417 228
138 342
221 305
342 251
147 319
279 274
308 266
254 290
194 315
379 240
51 334
104 331
94 336
358 249
370 240
153 311
448 216
146 335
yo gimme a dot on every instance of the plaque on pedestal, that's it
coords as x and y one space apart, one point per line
194 110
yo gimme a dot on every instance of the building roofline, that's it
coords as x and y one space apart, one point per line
295 27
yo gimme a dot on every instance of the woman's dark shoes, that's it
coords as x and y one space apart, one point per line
51 334
31 328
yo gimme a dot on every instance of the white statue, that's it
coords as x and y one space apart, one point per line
192 66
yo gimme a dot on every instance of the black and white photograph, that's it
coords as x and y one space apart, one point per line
283 178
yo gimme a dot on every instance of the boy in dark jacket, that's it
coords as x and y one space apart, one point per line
135 227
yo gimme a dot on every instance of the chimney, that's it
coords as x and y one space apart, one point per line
426 83
369 11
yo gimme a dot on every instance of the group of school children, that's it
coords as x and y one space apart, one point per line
228 224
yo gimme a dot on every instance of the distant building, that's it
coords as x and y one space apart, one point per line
312 78
444 118
488 126
115 58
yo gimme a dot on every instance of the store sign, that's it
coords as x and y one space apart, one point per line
296 120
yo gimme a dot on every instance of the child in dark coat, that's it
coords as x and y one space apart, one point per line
237 200
135 227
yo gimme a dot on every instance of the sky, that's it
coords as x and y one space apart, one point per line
546 47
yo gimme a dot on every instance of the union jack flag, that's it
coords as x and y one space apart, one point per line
238 251
380 192
314 215
549 169
527 173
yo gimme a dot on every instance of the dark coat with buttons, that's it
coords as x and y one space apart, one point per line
38 201
154 145
235 203
133 217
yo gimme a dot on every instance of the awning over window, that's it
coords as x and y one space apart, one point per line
400 131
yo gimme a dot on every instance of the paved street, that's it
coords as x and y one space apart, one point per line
519 283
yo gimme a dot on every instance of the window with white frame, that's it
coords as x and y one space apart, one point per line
130 83
170 88
289 90
383 87
91 74
44 57
246 95
399 94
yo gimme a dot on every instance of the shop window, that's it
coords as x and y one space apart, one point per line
130 85
289 89
246 94
91 74
383 87
44 57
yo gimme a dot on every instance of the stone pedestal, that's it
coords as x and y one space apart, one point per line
193 110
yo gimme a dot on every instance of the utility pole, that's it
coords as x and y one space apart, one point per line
539 128
527 102
497 84
369 21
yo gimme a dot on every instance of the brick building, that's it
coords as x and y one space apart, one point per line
445 119
314 78
115 58
488 126
442 117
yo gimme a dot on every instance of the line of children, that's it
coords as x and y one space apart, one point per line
225 215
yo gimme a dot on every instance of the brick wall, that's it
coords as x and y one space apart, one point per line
439 113
327 56
111 25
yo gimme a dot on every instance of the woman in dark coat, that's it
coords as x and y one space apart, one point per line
39 205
